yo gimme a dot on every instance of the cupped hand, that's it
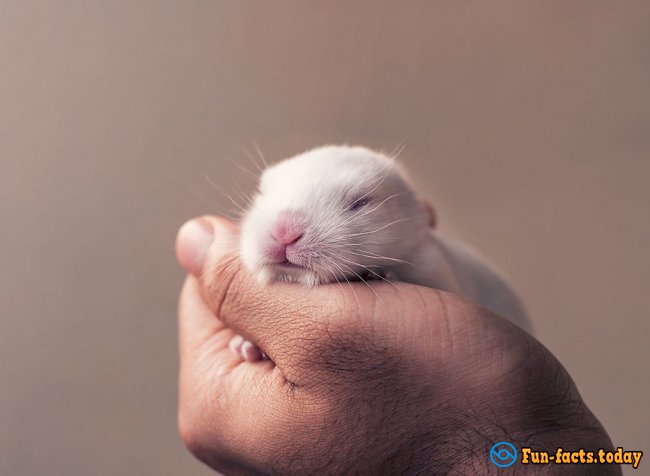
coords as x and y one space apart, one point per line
372 378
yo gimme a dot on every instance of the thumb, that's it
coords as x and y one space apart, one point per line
201 235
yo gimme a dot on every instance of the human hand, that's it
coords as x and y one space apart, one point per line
377 378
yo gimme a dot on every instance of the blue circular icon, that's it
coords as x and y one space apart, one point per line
503 454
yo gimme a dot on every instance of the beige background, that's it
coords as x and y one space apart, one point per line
527 123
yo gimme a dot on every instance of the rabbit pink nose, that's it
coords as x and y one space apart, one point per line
289 227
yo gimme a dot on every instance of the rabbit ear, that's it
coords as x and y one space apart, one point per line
426 204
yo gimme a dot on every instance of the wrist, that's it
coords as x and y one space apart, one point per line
467 448
536 407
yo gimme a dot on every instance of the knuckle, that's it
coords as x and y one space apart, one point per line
191 437
197 433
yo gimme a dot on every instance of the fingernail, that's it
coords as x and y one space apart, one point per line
194 240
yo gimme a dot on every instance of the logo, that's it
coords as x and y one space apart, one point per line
503 454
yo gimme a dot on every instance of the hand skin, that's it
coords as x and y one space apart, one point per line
377 379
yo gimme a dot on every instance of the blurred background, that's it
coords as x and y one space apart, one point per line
526 123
